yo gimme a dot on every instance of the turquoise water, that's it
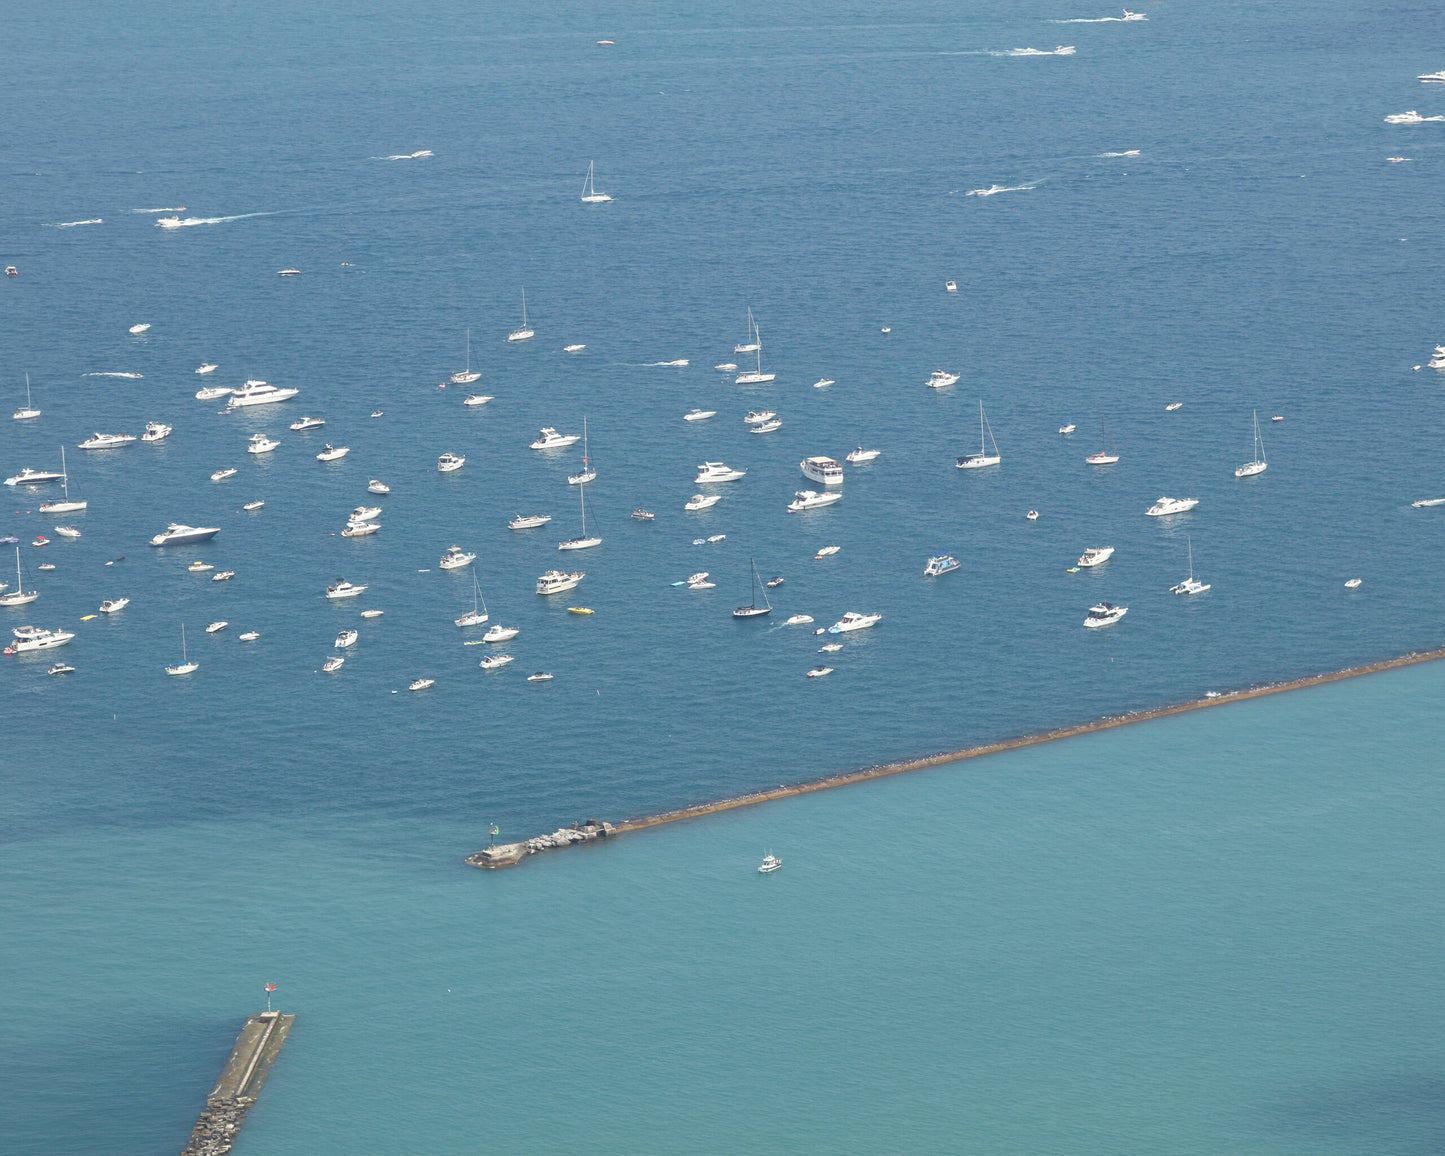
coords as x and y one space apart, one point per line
172 844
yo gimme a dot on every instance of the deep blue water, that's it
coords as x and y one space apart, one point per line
810 163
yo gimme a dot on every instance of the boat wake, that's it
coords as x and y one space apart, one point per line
1127 18
681 361
127 376
416 156
994 190
186 222
73 224
1125 153
1061 50
174 209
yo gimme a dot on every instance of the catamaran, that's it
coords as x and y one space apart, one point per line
752 609
590 195
1190 585
526 333
1259 464
982 458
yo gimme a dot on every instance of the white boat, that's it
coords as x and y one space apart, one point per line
111 605
641 515
556 581
539 676
755 376
332 453
259 393
1032 515
584 541
67 504
100 441
750 345
345 639
475 399
1353 583
141 328
212 392
1166 506
61 668
466 376
1095 556
812 500
1410 116
478 613
306 423
185 666
376 487
360 529
587 474
726 367
288 272
823 470
207 367
702 501
1127 18
710 472
28 411
798 620
333 664
499 633
824 383
549 439
573 348
1190 585
249 636
752 609
67 531
365 513
494 661
770 864
1173 406
830 648
699 414
950 286
1104 614
940 564
940 378
825 552
155 431
199 567
860 455
177 534
19 596
820 672
223 576
766 427
704 584
1108 452
758 416
455 558
1431 77
343 589
1066 430
528 521
1259 464
1427 503
372 613
526 333
590 195
222 475
261 444
217 627
983 457
422 684
774 582
449 463
854 621
29 477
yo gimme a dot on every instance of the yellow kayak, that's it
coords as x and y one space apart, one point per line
88 617
578 610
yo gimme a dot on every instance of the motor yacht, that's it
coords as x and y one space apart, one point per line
766 427
716 472
223 475
61 668
360 529
940 378
494 661
699 414
261 444
1166 506
499 633
200 567
1095 556
820 672
345 639
475 399
702 501
259 393
375 487
67 531
343 589
39 640
223 576
549 439
100 441
249 636
798 620
29 477
111 605
455 558
528 521
823 470
940 564
207 367
178 535
854 621
212 392
155 431
758 416
422 684
333 664
365 513
449 463
860 455
217 627
1066 430
333 453
812 500
305 423
1104 614
556 581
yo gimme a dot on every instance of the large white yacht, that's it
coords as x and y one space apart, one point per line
716 472
823 470
259 393
455 558
1095 556
29 477
528 521
556 581
1166 506
347 638
343 589
940 378
854 621
449 463
100 441
550 439
702 501
261 444
156 431
355 529
1104 614
811 500
39 640
178 535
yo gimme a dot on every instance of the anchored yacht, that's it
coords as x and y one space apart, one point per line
556 581
475 399
259 393
823 470
376 487
716 472
29 477
306 423
766 427
1104 614
261 444
860 455
1166 506
699 414
207 367
983 457
702 501
1259 464
940 564
178 535
455 558
365 513
449 463
812 500
111 605
212 392
345 639
466 376
526 333
39 640
155 431
528 521
1095 556
854 621
550 439
100 441
332 453
940 378
343 589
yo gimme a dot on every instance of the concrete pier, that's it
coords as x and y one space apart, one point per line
245 1072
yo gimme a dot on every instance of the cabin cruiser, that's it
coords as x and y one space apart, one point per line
940 378
940 564
422 684
759 416
345 638
860 455
811 500
699 414
449 463
61 668
365 513
360 529
178 535
556 581
475 399
854 621
252 507
212 392
799 620
29 477
528 521
574 348
1410 116
207 367
259 393
155 431
375 487
549 439
37 639
217 627
343 589
702 501
455 558
1104 614
111 605
306 423
825 471
716 472
261 444
494 661
222 475
332 453
1096 556
100 441
766 427
1166 506
333 664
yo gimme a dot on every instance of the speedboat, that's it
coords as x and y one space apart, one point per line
200 567
798 620
766 427
422 684
40 540
449 463
29 477
365 513
1173 405
582 610
61 668
854 621
1280 416
825 471
141 328
494 661
1426 503
824 383
155 431
1423 78
100 441
306 423
702 501
207 367
726 367
499 633
528 521
716 472
940 378
1132 16
333 664
540 676
1066 430
222 475
476 399
455 558
1104 614
1095 556
1032 515
549 439
372 613
111 605
826 552
45 565
556 581
573 348
775 581
67 531
259 393
252 507
940 564
343 589
217 627
860 455
1410 116
332 453
758 416
375 487
699 414
288 272
356 529
641 515
223 576
812 500
820 671
261 444
704 584
770 864
249 636
212 392
1353 584
38 639
1166 506
345 638
178 535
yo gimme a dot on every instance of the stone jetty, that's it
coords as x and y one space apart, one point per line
241 1079
507 854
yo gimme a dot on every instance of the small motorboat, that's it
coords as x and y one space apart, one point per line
223 576
826 552
1353 584
67 531
824 383
111 605
774 582
217 627
222 475
422 684
820 671
540 676
699 414
332 453
1066 430
727 367
830 648
702 501
333 664
798 620
249 636
758 416
1172 406
579 610
306 423
345 639
473 400
212 392
61 668
950 286
860 455
449 463
288 272
1277 417
494 661
251 507
375 487
769 865
1032 515
207 367
372 613
766 427
141 328
11 271
573 348
377 413
641 515
46 566
40 540
360 529
199 567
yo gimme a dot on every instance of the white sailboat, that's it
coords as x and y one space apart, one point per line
29 411
19 596
590 195
1259 464
752 609
1190 585
755 376
751 344
526 333
185 666
65 505
466 377
583 542
983 457
588 474
478 613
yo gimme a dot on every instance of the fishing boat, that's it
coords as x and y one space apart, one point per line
28 411
982 458
590 195
466 376
584 541
526 333
752 609
185 666
1259 464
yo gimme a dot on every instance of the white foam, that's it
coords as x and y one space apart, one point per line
418 155
994 190
1125 153
72 224
176 209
